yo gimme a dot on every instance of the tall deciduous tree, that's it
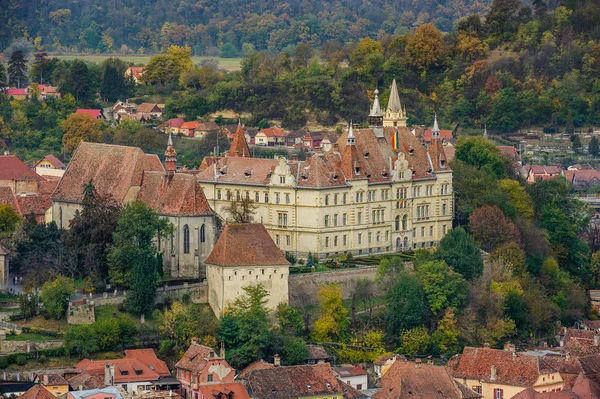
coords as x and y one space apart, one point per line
332 323
241 211
594 146
491 228
424 48
78 128
55 296
443 287
9 220
40 67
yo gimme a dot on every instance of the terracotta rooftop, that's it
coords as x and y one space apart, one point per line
148 358
246 245
86 381
198 357
256 365
94 113
16 92
444 134
174 122
37 392
293 382
53 379
272 132
230 390
583 176
12 168
515 369
509 151
8 198
48 185
137 71
36 204
148 107
583 388
251 171
317 352
406 380
349 371
113 169
179 194
137 365
541 170
239 146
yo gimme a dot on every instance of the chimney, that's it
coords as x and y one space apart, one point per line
109 372
596 340
194 341
418 363
514 355
493 374
509 347
486 345
276 361
568 356
45 376
80 387
222 354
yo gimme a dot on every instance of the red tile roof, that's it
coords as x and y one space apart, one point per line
179 194
174 122
583 176
53 379
137 72
230 390
272 132
583 388
37 392
349 371
148 107
148 357
406 380
48 186
252 171
190 125
317 352
94 113
12 168
509 151
36 204
246 245
198 357
87 381
293 382
511 368
16 92
113 169
444 134
8 198
239 146
256 365
542 170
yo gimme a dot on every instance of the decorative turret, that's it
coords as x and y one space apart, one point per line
395 115
239 146
170 156
351 139
435 132
376 116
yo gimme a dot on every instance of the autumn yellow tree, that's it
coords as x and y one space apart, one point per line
332 323
424 48
78 128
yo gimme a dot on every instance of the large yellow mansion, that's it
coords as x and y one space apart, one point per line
379 189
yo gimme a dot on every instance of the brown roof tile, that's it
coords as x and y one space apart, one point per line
148 107
113 169
179 194
53 379
317 352
238 170
12 168
87 381
198 357
257 365
246 245
36 204
406 380
239 146
293 382
234 390
37 392
8 198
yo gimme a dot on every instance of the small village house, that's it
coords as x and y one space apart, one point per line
93 113
537 173
54 383
189 128
149 111
135 73
270 137
172 126
50 166
355 376
17 94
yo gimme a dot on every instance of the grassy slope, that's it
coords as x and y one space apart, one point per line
224 63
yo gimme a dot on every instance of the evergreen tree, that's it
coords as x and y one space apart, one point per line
40 67
113 83
141 296
594 146
2 76
17 68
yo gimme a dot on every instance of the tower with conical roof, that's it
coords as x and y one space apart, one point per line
394 114
170 157
376 116
435 132
239 146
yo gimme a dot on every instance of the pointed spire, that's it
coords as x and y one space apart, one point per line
435 132
239 146
394 104
170 156
376 109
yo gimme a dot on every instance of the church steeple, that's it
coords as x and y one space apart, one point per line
395 115
435 132
170 156
376 116
239 146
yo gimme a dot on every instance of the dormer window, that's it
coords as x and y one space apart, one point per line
442 163
248 173
335 177
384 174
366 154
411 151
309 387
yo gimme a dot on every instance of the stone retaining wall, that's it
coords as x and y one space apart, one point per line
310 282
198 293
7 347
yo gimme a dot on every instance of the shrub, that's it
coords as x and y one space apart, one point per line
21 361
42 359
3 362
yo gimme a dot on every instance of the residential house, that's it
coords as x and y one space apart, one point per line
384 362
501 374
298 382
142 118
15 174
583 388
295 138
510 152
50 166
127 174
135 72
37 392
582 179
93 113
251 135
150 111
204 128
537 173
16 94
109 392
257 259
139 370
54 383
407 380
202 365
47 91
4 255
579 342
355 376
189 128
270 137
172 126
317 354
312 140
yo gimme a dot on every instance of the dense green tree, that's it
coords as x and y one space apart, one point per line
443 287
40 69
17 68
9 219
3 80
405 304
594 146
459 251
481 153
81 340
55 296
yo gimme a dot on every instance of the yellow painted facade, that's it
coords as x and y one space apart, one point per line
358 218
57 390
545 383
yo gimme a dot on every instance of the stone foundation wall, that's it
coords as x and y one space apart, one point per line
197 292
7 347
81 313
310 282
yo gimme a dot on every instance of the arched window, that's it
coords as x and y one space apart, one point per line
397 224
202 233
186 239
60 217
404 222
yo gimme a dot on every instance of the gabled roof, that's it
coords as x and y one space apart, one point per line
53 379
509 151
190 125
256 365
517 369
179 194
541 170
317 352
53 161
272 132
148 107
37 392
246 245
293 382
198 357
8 198
94 113
36 204
137 71
126 370
16 92
111 390
250 171
349 371
174 122
12 168
406 380
148 358
444 134
233 390
239 146
112 169
86 381
583 176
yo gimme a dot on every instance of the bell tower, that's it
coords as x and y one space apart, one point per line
394 114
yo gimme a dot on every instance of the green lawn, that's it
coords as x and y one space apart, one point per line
232 64
29 337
